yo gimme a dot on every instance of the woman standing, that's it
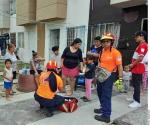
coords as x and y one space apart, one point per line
71 59
109 59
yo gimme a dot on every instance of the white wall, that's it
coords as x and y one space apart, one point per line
77 15
30 38
4 14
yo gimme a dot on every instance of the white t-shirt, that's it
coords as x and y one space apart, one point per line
127 75
9 74
13 58
57 58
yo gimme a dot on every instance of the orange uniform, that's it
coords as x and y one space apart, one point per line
44 89
110 59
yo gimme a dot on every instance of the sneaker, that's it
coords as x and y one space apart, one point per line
130 99
102 118
83 97
13 92
86 100
135 104
98 111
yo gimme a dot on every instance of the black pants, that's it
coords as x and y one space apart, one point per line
136 81
50 104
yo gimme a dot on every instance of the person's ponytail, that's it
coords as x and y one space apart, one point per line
52 82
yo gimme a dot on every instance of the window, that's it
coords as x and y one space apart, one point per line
144 24
76 32
21 40
12 7
99 29
13 38
54 37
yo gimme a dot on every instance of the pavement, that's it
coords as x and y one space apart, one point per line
23 110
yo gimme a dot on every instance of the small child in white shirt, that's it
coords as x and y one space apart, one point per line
8 78
126 78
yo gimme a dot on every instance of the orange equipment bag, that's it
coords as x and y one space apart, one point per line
70 103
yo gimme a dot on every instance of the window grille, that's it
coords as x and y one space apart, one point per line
21 40
76 32
99 29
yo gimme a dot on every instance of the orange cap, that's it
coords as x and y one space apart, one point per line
51 64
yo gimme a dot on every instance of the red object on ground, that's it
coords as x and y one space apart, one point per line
71 105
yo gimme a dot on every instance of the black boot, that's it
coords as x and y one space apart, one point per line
98 111
41 106
49 114
102 118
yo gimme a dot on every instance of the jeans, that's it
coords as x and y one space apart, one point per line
104 91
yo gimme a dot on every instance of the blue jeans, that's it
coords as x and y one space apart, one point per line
104 91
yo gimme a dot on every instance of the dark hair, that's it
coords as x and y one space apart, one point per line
97 38
8 60
141 33
55 48
76 41
34 53
89 57
52 82
10 45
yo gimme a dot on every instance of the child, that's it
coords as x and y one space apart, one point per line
35 64
89 75
8 78
57 57
126 78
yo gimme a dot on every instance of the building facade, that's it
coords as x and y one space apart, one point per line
121 17
53 22
39 25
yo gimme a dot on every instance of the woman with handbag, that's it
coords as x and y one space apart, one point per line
109 61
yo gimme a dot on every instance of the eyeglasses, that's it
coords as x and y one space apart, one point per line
106 41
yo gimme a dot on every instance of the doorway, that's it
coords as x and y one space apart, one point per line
54 38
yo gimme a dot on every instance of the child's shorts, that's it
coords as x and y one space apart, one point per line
7 85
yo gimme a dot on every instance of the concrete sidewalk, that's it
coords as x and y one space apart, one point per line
85 115
23 110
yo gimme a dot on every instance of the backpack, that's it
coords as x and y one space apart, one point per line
70 103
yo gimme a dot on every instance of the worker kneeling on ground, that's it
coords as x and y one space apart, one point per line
49 83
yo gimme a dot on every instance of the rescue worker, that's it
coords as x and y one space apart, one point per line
49 83
111 60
